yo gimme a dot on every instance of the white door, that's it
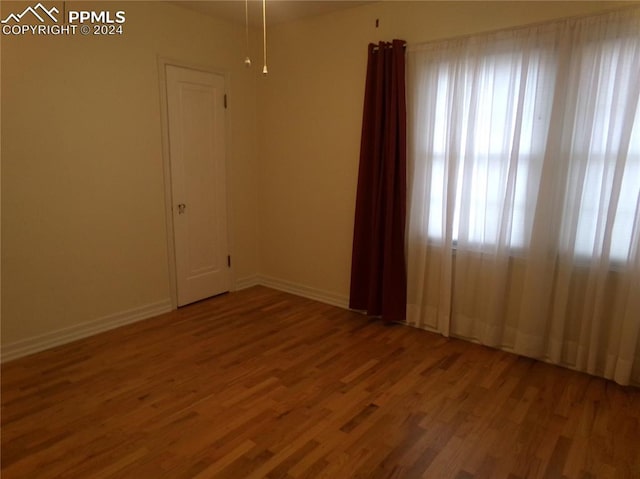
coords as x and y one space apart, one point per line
195 104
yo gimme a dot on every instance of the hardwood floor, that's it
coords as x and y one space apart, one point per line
263 384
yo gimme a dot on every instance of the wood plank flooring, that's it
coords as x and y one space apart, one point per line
263 384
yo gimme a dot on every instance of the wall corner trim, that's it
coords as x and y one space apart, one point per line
247 282
308 292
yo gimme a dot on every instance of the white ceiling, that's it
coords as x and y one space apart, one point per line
278 11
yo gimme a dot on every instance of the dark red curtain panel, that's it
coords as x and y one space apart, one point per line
378 270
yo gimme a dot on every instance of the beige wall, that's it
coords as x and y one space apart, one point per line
83 218
309 129
83 221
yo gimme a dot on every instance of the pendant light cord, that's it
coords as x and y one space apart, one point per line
247 60
246 23
264 35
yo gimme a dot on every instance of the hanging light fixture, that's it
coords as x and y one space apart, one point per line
264 36
247 60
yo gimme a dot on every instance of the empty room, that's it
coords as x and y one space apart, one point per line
320 239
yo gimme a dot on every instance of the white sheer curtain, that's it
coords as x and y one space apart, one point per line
524 186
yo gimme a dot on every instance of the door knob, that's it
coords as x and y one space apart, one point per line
181 208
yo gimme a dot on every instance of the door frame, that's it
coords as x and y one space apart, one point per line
163 62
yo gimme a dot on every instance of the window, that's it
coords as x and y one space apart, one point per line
609 164
513 132
490 136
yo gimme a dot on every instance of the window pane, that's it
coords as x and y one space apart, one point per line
604 175
485 122
629 200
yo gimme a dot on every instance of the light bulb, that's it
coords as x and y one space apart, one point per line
247 62
264 70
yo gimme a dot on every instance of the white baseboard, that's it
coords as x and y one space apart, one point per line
247 282
66 335
323 296
28 346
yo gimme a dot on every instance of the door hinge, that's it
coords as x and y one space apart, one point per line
229 261
225 100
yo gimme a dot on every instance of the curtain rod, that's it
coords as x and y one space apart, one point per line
520 27
376 48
